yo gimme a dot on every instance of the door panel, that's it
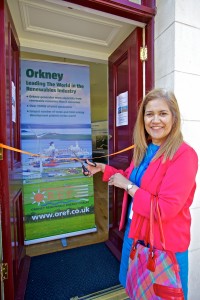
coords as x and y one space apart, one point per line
1 260
10 166
17 235
125 75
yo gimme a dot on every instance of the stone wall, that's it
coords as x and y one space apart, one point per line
177 67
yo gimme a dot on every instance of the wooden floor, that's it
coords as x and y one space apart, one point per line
101 219
113 293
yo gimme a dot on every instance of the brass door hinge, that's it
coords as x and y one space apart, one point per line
4 271
143 53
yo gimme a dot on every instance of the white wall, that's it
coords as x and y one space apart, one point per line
177 67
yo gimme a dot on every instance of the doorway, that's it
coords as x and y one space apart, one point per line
122 10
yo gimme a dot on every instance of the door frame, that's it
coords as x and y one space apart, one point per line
123 8
144 13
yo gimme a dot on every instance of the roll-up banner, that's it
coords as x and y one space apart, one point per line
56 123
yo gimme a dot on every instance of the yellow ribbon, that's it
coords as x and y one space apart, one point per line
38 155
115 153
21 151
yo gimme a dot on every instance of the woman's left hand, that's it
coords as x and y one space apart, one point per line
119 180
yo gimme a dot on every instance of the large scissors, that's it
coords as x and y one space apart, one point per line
85 170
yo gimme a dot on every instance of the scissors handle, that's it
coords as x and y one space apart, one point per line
85 170
93 163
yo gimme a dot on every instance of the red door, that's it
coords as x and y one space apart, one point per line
125 76
10 165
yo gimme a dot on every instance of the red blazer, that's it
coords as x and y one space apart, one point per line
174 184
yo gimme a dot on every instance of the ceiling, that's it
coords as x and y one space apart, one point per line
59 28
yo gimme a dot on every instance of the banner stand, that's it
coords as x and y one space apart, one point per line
55 124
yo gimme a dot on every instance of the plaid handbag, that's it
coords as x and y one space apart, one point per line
153 274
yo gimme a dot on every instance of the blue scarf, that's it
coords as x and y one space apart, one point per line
138 172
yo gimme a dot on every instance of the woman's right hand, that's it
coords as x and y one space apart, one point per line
94 167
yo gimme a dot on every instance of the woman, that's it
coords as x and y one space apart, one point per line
163 165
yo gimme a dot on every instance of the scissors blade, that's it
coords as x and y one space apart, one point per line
85 170
77 157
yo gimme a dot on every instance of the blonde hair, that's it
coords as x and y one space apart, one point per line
140 136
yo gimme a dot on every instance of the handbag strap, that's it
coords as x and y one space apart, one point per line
146 237
150 226
151 223
152 220
162 238
138 230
